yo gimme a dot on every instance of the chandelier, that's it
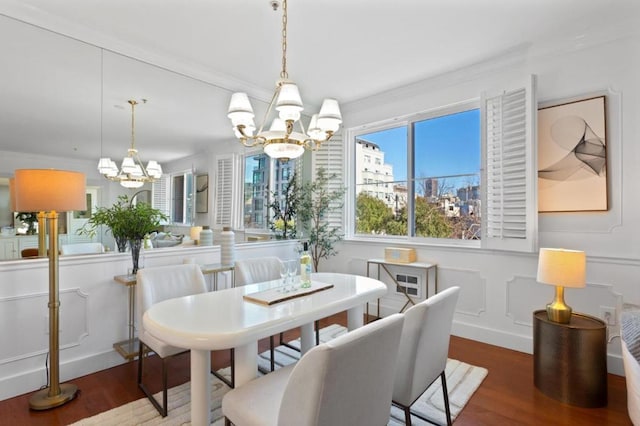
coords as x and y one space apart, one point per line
132 173
282 140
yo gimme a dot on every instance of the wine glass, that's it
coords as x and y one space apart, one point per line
284 272
292 271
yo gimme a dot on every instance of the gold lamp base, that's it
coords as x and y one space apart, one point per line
558 311
42 401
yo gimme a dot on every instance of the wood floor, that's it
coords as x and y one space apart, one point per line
506 397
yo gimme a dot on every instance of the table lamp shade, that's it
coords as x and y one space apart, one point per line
194 232
49 190
560 267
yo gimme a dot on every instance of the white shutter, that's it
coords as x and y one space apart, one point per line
509 170
224 191
331 157
161 197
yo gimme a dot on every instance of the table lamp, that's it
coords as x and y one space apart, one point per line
561 268
51 191
194 233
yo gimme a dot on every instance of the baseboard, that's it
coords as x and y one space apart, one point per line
33 380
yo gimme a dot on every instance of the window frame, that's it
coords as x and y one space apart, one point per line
528 103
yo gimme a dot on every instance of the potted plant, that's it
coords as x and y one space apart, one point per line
128 222
317 201
284 209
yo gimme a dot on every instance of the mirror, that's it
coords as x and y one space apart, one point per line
64 105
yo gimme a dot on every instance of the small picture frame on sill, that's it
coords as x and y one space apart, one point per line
572 156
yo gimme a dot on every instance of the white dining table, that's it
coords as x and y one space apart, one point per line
224 320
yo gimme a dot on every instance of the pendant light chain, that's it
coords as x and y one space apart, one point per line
133 123
284 73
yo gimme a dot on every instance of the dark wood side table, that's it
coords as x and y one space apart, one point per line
570 360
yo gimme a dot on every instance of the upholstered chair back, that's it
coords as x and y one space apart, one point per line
153 285
346 381
249 271
424 346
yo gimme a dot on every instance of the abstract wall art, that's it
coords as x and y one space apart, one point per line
572 156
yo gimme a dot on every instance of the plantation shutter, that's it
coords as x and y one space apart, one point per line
160 198
330 156
509 170
224 191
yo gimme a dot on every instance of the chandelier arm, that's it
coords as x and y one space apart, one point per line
133 122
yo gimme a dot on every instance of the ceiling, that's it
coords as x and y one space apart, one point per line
72 64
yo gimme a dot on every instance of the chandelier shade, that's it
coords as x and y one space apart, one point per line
132 173
286 138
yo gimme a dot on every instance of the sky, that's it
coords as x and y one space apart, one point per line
445 145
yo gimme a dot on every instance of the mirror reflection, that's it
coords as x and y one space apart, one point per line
64 106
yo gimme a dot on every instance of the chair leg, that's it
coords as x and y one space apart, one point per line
162 409
445 394
407 416
227 422
272 352
317 324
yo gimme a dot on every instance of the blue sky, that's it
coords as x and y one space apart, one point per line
445 145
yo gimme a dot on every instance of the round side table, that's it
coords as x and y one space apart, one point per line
570 360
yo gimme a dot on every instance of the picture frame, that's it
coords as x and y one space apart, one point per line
572 156
202 193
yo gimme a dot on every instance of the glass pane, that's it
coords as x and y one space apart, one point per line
256 191
381 182
447 176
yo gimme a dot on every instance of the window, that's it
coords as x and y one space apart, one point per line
446 151
182 198
264 178
463 172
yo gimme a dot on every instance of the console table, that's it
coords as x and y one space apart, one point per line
384 265
127 348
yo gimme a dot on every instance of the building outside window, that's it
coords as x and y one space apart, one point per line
262 176
442 182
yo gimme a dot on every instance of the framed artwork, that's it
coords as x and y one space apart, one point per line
202 193
572 156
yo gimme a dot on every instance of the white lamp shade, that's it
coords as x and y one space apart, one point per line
277 125
194 232
561 267
104 165
283 150
330 117
314 131
240 110
48 189
113 170
128 165
289 103
154 169
137 171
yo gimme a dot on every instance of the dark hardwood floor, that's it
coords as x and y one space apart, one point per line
506 397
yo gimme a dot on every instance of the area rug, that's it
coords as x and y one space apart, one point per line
462 381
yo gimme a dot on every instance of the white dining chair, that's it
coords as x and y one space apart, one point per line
153 285
424 349
255 270
346 381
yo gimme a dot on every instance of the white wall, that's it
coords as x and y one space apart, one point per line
93 310
499 291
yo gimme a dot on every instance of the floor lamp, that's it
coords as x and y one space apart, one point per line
51 191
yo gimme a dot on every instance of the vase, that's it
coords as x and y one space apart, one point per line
135 246
121 243
227 246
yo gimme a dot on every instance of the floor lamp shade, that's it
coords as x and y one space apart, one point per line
38 190
48 192
561 268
